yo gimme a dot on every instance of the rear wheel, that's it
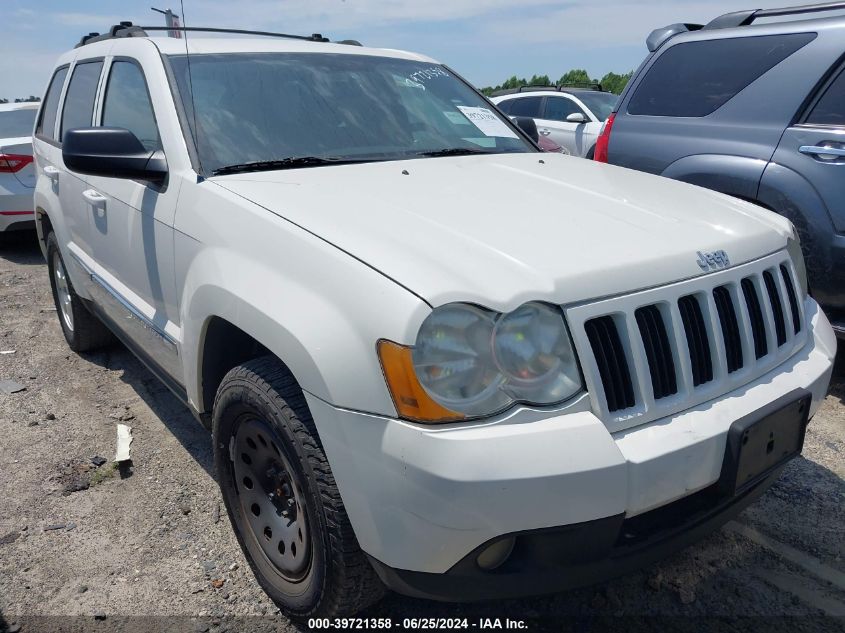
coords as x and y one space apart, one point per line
83 331
282 498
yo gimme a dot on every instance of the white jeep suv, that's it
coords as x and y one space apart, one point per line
431 357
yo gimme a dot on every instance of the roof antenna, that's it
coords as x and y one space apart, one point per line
190 79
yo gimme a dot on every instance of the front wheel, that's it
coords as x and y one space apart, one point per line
282 498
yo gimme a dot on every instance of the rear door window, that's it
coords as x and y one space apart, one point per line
558 108
81 92
47 123
830 109
694 79
526 106
127 104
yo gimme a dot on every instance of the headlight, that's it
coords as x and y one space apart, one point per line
475 362
793 247
533 351
453 359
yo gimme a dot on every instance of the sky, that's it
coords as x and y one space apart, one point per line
486 41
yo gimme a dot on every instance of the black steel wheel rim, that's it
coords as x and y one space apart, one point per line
271 500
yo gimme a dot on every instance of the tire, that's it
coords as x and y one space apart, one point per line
83 331
265 440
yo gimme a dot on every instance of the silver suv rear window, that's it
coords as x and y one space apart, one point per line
694 79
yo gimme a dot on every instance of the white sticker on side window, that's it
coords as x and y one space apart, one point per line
487 122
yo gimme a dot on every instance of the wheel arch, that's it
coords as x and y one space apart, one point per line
43 226
789 194
227 340
737 176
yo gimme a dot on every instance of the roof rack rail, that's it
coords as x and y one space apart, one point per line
562 87
124 29
127 29
555 88
316 37
583 85
658 37
529 88
745 18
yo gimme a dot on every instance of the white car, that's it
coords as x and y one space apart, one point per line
17 174
571 117
431 357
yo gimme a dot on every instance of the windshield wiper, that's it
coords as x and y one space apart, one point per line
285 163
454 151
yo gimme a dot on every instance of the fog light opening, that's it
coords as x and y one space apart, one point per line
496 554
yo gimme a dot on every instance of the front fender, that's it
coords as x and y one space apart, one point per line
324 327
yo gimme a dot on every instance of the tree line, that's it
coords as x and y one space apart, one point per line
29 99
611 82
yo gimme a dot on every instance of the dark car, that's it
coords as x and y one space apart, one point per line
751 105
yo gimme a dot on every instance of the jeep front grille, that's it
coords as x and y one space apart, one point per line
664 350
661 367
611 362
698 341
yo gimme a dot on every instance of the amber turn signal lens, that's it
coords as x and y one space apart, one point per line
411 400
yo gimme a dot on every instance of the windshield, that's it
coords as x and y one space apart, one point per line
600 103
266 107
17 123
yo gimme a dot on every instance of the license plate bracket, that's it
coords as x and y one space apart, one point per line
759 443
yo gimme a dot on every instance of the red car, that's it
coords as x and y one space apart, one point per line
548 145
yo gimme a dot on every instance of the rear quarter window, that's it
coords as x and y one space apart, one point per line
47 122
694 79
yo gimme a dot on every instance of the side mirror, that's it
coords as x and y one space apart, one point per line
112 152
576 117
529 126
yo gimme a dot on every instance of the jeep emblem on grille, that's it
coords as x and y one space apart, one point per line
713 261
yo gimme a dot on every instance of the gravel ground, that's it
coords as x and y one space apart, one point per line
97 548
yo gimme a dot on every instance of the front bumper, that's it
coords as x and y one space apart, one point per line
557 559
424 499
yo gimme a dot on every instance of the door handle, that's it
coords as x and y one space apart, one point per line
51 172
94 198
823 152
545 132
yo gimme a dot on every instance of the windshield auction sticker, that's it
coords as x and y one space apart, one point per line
487 122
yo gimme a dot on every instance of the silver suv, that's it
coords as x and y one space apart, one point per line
752 105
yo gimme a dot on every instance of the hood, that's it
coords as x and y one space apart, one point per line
502 229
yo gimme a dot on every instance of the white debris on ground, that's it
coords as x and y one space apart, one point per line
124 440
